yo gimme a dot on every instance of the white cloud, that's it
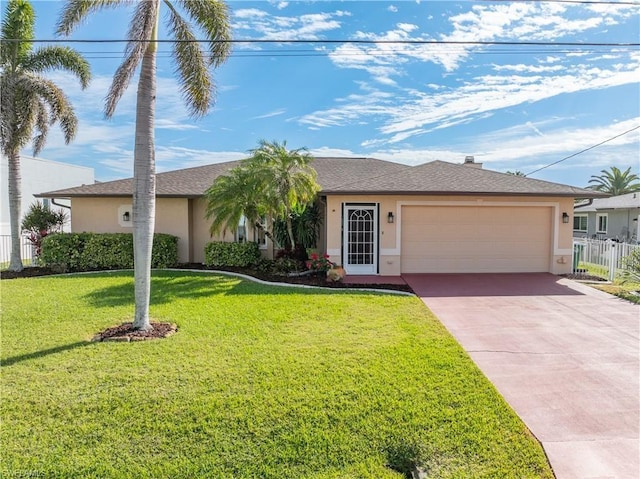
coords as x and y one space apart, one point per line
250 22
250 13
392 9
277 112
413 112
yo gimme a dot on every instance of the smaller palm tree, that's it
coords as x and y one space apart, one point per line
288 180
30 102
615 181
231 197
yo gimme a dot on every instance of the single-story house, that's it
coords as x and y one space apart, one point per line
616 217
380 217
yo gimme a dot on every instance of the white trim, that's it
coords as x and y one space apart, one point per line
359 269
598 216
582 215
555 225
122 209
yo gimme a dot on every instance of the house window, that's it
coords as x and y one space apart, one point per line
260 236
241 231
580 223
601 223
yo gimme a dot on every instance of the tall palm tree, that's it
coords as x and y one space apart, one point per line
288 178
192 67
615 181
30 102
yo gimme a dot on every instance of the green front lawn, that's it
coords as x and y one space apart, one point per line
258 382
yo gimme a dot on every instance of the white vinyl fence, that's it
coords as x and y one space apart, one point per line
604 258
26 250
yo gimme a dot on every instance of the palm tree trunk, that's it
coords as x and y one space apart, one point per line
290 232
144 189
15 200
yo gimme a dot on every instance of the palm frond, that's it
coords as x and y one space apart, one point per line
140 30
59 106
191 66
17 32
62 58
76 11
213 17
41 126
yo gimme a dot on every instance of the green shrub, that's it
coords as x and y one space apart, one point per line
241 255
91 251
287 265
64 251
165 251
109 251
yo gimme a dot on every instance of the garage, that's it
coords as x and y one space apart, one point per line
476 239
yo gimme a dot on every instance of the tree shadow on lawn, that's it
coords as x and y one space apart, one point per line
45 352
168 286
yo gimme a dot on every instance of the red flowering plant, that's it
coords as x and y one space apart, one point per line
319 264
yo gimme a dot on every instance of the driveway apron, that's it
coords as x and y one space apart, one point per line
564 355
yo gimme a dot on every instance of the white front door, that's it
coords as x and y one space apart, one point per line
360 241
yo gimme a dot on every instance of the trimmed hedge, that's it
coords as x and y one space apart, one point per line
241 255
93 251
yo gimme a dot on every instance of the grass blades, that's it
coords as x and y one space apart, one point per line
259 381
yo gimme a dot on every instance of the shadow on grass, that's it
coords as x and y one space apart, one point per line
45 352
167 286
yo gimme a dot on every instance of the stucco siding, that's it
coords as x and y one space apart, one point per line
104 215
620 224
553 244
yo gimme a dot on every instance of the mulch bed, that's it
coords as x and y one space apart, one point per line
27 272
310 280
126 333
583 277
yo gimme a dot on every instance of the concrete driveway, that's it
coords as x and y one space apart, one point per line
565 357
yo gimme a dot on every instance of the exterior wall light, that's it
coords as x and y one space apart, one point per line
126 217
565 217
390 218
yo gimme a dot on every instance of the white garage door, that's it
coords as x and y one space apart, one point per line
469 239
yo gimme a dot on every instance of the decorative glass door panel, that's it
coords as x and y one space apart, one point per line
360 239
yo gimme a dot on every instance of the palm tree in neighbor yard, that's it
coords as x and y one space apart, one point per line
30 102
615 181
192 66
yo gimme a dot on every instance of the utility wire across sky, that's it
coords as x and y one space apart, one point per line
582 151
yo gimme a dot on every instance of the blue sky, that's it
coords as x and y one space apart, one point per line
513 107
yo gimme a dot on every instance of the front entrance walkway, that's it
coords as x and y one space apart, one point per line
563 355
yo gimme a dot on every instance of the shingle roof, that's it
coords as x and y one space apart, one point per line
630 200
440 177
189 182
352 176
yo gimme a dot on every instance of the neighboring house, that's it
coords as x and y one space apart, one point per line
616 217
40 175
379 217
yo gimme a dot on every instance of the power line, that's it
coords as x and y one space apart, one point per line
337 41
580 2
582 151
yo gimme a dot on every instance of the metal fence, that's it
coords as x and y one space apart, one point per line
602 258
26 250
